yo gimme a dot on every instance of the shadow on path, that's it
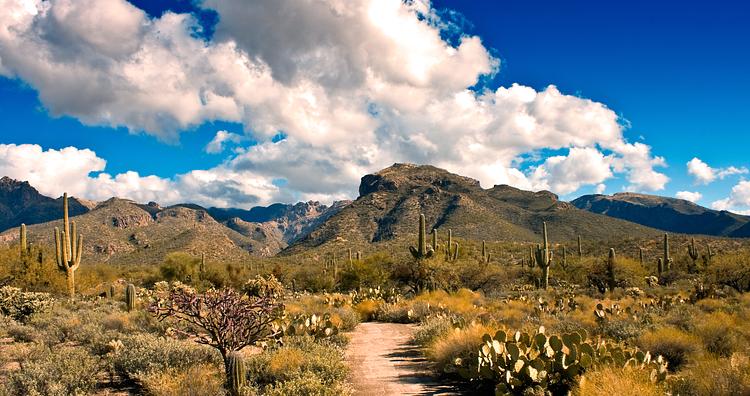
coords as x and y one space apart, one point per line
384 362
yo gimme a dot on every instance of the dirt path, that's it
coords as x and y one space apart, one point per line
383 362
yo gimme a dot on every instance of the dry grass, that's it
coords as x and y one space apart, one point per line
716 377
672 343
463 301
367 309
616 381
460 343
286 361
199 380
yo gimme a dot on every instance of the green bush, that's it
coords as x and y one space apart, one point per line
308 384
21 305
180 266
61 371
145 353
732 271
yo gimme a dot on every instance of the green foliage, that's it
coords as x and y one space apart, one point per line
180 266
61 371
145 353
732 271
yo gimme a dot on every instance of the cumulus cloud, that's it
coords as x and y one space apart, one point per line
218 143
704 174
738 200
692 196
354 86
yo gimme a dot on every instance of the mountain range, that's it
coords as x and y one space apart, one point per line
385 212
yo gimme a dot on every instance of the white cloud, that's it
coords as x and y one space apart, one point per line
216 145
692 196
704 174
738 200
600 188
354 85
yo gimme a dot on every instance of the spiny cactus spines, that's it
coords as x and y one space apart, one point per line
68 248
235 367
543 256
423 250
693 253
130 297
580 247
612 282
667 259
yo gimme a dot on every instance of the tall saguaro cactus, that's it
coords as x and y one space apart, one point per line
693 253
580 247
486 256
423 250
543 256
68 248
667 260
640 255
434 240
24 247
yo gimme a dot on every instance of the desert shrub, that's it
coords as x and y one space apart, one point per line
621 329
20 305
683 317
718 334
716 377
628 273
61 371
616 381
732 271
461 344
180 266
302 356
673 344
370 272
367 309
146 353
23 333
308 384
314 279
432 328
198 380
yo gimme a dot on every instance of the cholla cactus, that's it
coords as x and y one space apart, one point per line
423 250
68 248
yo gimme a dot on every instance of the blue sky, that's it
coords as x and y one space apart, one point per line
676 73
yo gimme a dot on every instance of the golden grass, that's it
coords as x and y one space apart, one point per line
616 381
367 309
285 362
199 380
672 343
460 343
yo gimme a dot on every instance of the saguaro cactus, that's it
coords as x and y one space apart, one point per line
543 256
24 247
708 256
434 240
485 254
68 248
612 282
667 259
660 266
455 251
580 247
423 250
564 261
693 253
640 255
235 366
532 258
130 297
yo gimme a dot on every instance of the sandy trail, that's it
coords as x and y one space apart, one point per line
383 362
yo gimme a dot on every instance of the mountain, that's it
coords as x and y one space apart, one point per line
669 214
123 231
22 203
284 222
391 200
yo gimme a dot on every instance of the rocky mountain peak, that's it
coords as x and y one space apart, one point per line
405 177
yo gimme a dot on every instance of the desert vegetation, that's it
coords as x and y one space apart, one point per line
492 317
